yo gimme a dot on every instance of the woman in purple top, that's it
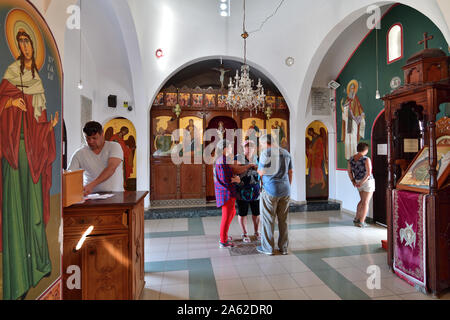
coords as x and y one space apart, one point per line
225 181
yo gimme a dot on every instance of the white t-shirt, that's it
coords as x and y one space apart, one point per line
94 164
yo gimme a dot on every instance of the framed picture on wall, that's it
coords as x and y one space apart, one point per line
281 103
184 99
170 99
210 100
159 100
270 101
222 100
197 99
417 176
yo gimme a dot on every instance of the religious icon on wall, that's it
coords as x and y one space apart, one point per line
210 100
221 130
353 120
281 103
194 128
278 129
252 128
171 99
417 176
163 128
316 161
222 100
197 99
122 131
270 101
30 153
184 99
159 100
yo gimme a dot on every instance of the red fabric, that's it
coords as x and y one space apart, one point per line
126 155
409 212
316 156
228 213
39 142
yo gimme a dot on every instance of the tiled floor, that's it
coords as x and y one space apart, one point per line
328 260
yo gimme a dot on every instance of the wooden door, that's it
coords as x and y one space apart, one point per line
379 160
164 180
105 268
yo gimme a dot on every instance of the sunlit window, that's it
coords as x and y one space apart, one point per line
395 43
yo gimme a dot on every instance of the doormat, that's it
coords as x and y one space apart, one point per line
243 249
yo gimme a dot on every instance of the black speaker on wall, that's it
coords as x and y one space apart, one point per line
112 101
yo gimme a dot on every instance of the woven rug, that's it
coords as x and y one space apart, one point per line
242 249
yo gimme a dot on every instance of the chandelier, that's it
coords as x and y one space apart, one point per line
241 95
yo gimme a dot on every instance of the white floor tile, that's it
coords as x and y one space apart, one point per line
321 293
306 279
293 294
284 281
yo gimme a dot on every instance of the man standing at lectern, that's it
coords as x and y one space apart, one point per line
101 161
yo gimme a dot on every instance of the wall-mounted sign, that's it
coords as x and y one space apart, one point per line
382 150
411 145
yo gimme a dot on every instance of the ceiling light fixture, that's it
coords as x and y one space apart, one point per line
224 7
241 95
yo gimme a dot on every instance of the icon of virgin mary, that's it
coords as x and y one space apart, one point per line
27 151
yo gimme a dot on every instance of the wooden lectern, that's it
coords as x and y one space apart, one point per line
427 86
111 256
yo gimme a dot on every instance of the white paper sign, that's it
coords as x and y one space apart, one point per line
382 150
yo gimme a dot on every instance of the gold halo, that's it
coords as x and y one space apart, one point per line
19 19
350 84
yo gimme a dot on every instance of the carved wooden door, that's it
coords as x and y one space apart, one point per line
105 268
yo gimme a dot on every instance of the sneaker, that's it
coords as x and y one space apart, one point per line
258 236
226 245
261 250
284 253
230 238
246 238
355 221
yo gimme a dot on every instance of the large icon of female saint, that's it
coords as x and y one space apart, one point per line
27 151
353 120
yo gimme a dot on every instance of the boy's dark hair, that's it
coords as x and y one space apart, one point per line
362 146
91 128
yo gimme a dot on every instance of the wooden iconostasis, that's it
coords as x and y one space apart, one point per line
201 109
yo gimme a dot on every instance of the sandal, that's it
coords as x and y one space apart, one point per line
246 238
226 245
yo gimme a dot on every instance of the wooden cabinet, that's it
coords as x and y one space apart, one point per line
111 259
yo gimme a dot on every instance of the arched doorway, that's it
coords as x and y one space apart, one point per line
198 92
379 160
317 171
122 131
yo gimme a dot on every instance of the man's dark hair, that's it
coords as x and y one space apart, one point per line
362 146
91 128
